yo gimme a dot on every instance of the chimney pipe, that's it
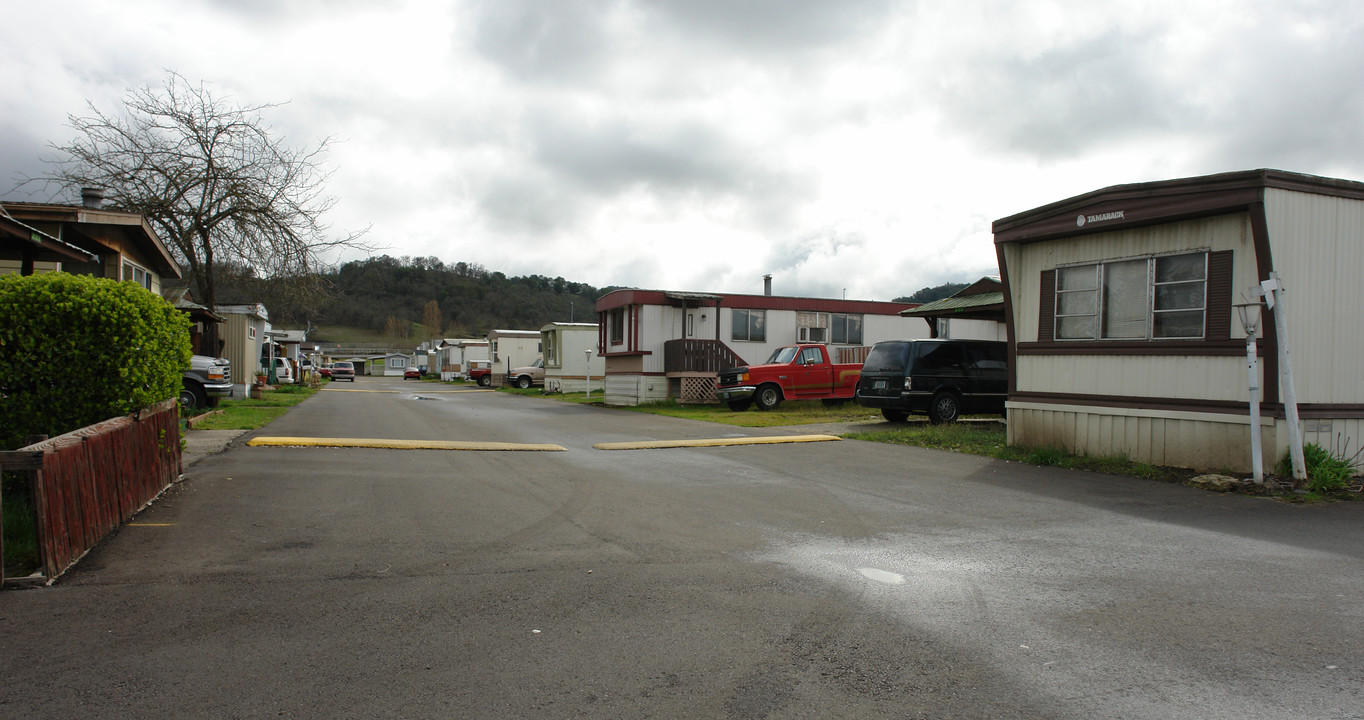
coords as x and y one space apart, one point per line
767 284
92 197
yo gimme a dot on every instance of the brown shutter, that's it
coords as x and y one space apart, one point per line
1046 308
1219 295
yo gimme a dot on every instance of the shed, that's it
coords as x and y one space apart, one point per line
1122 337
243 336
460 355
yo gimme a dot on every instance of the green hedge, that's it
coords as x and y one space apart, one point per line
75 350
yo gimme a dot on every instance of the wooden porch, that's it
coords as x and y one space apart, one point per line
696 364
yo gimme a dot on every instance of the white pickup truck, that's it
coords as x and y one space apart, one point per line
205 381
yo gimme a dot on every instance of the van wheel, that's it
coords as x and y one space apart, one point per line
894 415
768 397
945 408
739 405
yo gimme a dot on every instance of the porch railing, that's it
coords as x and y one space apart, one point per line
692 355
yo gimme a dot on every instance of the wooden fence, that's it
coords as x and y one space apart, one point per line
89 481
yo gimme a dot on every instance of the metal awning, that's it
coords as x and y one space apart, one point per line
42 242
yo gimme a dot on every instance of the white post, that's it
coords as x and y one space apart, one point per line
1257 461
587 371
1274 292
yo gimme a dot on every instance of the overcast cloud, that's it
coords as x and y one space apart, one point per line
857 148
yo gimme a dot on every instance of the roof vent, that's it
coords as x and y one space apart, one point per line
92 197
767 284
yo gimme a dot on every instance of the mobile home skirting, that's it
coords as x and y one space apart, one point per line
1212 441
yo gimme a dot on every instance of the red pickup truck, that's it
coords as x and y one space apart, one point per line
794 372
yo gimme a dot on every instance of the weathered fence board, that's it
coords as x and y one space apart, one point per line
88 482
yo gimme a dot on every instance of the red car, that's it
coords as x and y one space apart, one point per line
412 373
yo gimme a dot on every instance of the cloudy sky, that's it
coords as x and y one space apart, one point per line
856 148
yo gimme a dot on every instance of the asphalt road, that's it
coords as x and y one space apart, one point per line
814 580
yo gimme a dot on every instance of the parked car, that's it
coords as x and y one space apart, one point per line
412 373
325 370
524 377
343 370
206 381
940 378
284 370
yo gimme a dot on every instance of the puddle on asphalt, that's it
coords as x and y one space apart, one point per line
882 576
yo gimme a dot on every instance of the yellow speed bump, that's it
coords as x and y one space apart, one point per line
714 442
399 444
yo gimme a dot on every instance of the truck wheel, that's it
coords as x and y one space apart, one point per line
739 405
894 415
768 397
945 408
191 397
523 382
485 380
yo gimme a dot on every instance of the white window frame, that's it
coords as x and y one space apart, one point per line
812 327
1099 298
136 273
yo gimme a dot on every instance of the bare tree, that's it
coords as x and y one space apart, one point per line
431 318
397 329
210 176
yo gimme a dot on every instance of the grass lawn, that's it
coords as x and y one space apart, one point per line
250 414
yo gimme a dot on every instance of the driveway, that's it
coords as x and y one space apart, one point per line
813 579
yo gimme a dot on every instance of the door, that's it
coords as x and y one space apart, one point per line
811 375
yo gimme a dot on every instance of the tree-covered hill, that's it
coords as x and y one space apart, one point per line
389 295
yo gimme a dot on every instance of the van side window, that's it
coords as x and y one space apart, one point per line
943 356
986 357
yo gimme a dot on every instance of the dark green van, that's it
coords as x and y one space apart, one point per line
939 378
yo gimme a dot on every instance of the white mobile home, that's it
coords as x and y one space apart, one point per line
663 344
388 365
572 363
512 349
1122 336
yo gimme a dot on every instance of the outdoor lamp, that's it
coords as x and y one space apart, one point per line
1249 313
